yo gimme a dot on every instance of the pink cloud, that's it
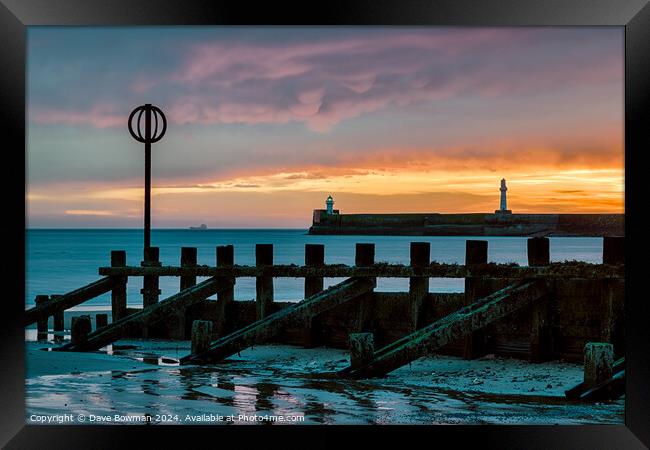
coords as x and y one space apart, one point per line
322 82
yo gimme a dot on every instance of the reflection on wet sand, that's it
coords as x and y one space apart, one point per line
288 382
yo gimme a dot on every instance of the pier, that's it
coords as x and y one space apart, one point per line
538 312
467 224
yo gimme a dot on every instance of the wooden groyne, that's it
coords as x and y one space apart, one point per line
265 329
45 307
149 316
454 326
540 311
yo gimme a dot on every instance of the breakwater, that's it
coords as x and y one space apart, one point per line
470 224
540 311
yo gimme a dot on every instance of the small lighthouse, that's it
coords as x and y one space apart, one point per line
503 207
329 203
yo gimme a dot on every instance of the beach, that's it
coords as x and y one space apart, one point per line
135 381
135 378
367 225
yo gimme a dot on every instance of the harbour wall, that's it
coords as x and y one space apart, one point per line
470 224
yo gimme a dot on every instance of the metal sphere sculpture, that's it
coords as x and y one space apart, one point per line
142 117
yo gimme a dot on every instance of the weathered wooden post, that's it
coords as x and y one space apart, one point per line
201 336
613 250
314 257
613 294
362 349
539 255
476 253
364 256
58 319
599 360
101 320
80 329
539 251
225 258
42 324
150 285
263 284
118 293
188 260
418 286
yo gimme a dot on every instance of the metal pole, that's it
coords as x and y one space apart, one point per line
147 139
147 178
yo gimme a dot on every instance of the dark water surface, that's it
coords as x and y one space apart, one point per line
59 261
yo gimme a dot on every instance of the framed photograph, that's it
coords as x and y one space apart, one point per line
310 222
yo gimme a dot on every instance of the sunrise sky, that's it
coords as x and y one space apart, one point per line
264 123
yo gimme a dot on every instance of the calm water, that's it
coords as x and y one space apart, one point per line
59 261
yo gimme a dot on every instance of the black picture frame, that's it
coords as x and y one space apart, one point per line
16 15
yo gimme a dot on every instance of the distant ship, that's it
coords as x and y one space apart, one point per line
200 227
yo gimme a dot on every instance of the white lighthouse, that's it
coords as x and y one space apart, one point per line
329 203
503 207
503 190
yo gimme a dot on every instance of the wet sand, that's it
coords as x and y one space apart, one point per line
139 377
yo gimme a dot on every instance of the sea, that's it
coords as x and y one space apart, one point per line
61 260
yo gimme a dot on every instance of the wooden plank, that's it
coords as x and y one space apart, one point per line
364 256
201 335
225 257
611 388
539 251
614 250
67 301
449 328
418 286
151 315
188 259
539 254
433 270
263 284
178 328
42 323
80 329
58 319
151 284
581 388
540 332
314 256
476 254
599 360
362 349
266 328
118 294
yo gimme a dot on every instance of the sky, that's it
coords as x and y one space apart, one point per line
266 122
